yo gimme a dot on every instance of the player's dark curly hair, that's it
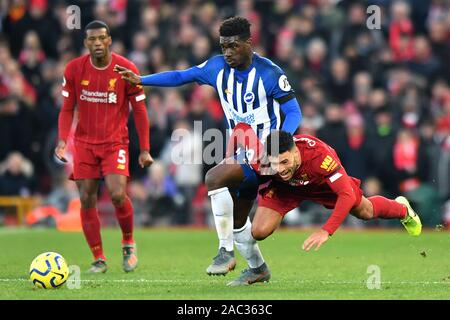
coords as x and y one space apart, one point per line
235 26
278 142
96 24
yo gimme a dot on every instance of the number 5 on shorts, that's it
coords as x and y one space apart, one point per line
122 159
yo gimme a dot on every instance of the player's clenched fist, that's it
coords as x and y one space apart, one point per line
145 159
128 75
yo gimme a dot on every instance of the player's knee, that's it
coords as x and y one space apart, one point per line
213 180
260 233
367 214
88 200
117 198
364 214
364 210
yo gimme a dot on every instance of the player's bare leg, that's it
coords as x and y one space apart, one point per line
227 174
116 185
265 222
364 210
241 210
380 207
91 224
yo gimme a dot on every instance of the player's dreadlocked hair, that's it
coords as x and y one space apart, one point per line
278 142
96 24
235 26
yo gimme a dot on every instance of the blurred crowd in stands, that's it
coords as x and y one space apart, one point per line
380 97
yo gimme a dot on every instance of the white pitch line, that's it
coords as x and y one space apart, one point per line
209 281
8 231
120 280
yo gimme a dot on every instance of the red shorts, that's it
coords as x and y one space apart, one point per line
95 162
284 198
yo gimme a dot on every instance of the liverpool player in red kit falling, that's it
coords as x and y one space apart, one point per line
101 140
306 168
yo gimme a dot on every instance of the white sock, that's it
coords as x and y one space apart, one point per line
222 208
247 245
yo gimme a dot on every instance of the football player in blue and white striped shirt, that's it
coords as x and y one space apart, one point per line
252 90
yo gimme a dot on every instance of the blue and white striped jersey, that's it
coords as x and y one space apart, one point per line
249 95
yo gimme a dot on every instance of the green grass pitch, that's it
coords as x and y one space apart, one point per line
172 265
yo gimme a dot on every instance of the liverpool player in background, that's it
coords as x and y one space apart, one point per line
306 168
101 137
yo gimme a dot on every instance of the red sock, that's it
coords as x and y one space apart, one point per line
387 209
91 230
124 215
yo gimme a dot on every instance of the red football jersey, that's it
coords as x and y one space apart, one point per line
103 101
320 178
319 162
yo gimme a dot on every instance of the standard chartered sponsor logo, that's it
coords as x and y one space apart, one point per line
98 97
94 93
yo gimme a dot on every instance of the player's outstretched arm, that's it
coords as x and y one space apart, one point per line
172 78
340 183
